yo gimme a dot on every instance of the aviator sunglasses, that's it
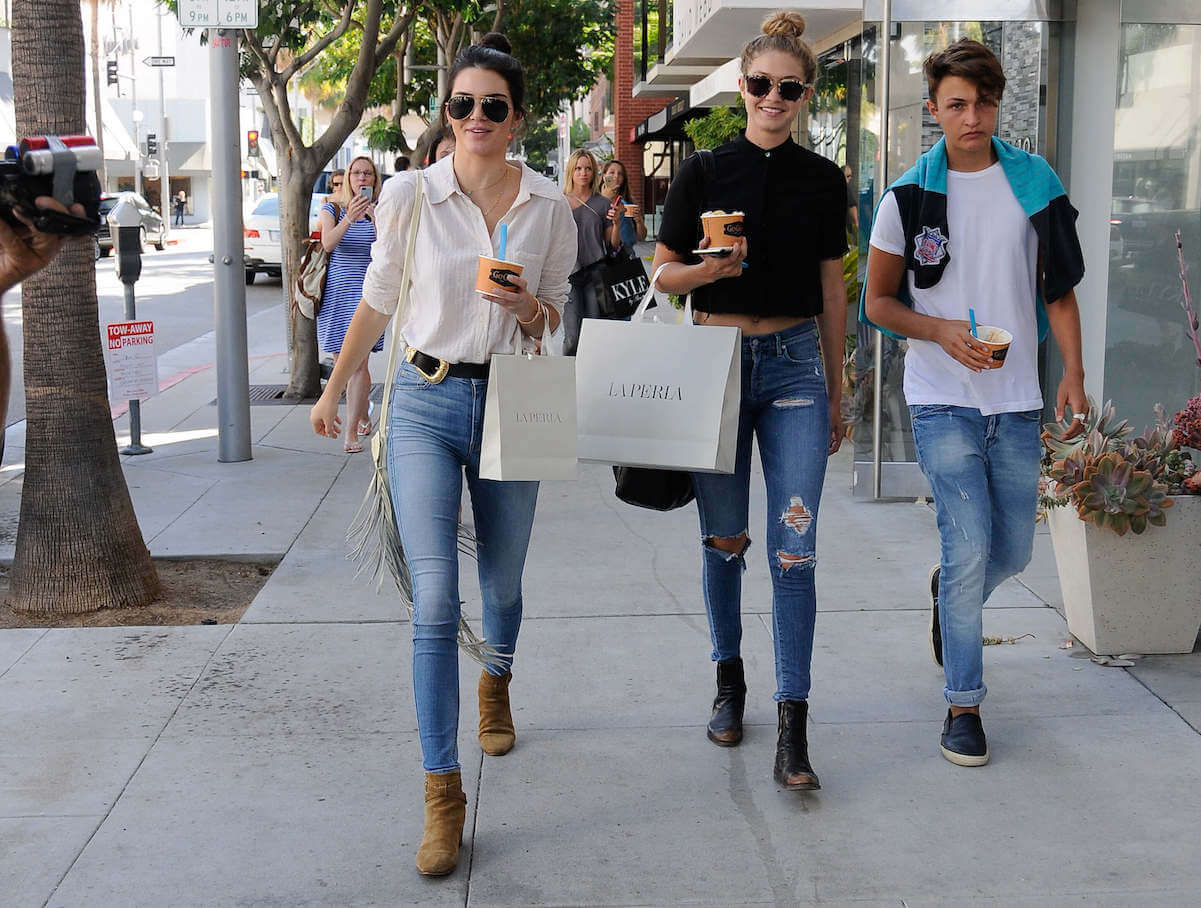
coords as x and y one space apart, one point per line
459 107
759 86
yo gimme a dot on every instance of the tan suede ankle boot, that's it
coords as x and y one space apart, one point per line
445 813
497 734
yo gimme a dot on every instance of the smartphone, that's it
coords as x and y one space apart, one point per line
366 191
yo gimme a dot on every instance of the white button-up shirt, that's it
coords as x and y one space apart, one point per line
445 316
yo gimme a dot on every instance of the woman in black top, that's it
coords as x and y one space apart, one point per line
596 234
780 284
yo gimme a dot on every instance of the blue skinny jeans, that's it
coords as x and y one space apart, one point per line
434 434
784 406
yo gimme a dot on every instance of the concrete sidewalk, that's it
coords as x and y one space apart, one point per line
276 762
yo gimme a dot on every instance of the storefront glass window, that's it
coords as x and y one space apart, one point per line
1156 192
1023 48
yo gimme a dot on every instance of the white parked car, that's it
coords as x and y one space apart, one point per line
260 235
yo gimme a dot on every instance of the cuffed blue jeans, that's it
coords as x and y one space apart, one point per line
784 407
434 434
984 474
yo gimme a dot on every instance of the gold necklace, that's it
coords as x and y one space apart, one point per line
503 177
502 194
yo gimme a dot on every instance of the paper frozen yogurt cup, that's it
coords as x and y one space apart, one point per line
997 340
496 274
722 227
631 210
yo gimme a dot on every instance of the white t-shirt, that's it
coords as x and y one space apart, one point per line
994 257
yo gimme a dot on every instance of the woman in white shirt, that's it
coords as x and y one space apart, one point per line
436 416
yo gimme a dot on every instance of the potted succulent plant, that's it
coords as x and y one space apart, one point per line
1127 590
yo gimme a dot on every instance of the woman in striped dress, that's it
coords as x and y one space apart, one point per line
347 225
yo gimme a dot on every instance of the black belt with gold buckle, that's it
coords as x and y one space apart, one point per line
433 370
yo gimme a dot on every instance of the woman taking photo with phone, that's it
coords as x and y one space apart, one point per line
347 225
436 412
781 283
615 186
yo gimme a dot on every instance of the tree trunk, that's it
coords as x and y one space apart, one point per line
295 191
402 57
94 6
79 547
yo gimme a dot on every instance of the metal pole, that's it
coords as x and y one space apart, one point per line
164 180
135 445
133 95
229 284
885 58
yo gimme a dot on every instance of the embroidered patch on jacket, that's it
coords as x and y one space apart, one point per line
930 247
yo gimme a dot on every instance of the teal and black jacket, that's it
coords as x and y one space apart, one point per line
921 195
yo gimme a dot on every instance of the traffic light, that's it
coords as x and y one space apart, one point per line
151 145
252 143
111 70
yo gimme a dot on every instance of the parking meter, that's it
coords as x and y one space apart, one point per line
125 224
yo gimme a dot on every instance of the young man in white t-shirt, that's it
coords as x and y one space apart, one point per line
975 224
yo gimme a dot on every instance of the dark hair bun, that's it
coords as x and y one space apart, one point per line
497 41
784 24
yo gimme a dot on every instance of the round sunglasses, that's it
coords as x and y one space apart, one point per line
459 107
790 89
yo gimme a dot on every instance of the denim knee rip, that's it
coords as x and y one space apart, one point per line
799 519
708 541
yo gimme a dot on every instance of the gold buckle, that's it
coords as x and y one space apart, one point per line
439 373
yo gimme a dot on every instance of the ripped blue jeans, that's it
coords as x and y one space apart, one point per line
784 407
983 471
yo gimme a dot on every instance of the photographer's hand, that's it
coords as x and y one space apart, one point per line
22 252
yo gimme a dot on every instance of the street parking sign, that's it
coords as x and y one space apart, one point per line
132 366
219 13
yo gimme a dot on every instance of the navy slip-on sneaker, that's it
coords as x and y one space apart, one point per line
963 741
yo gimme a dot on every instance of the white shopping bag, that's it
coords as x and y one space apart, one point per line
659 395
530 418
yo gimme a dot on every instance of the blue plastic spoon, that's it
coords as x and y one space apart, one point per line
504 241
971 314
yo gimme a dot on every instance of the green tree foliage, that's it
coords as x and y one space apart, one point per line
563 45
718 126
541 138
580 133
382 134
326 78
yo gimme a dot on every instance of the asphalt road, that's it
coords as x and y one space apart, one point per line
175 291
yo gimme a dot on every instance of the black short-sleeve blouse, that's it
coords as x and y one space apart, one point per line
794 205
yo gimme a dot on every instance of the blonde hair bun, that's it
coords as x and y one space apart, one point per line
784 24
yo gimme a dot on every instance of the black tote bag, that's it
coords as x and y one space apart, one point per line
625 282
659 490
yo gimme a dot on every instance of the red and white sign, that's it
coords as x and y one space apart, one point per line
132 365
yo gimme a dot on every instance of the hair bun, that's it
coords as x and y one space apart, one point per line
784 24
497 41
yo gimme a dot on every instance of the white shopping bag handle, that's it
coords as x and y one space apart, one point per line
640 312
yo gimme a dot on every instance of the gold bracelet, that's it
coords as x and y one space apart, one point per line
532 320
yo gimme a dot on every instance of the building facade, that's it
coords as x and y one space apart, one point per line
1109 91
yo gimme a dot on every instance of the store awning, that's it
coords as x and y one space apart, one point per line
667 124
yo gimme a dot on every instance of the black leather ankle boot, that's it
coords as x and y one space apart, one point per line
792 769
725 725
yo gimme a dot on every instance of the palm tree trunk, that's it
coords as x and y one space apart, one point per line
79 547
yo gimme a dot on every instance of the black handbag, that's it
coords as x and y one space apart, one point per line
659 490
625 282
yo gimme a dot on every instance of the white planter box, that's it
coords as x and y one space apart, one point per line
1131 594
